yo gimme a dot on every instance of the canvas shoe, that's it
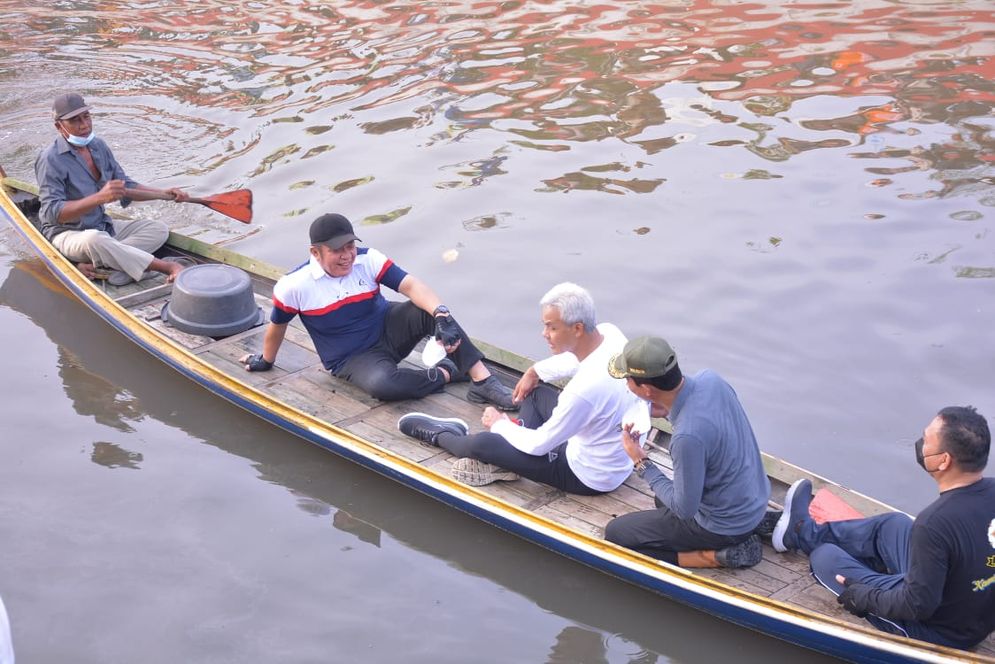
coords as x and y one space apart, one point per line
494 392
796 502
767 524
427 428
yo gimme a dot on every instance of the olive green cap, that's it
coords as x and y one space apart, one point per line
645 357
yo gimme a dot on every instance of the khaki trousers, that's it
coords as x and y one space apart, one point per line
130 250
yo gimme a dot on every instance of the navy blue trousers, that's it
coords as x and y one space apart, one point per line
873 551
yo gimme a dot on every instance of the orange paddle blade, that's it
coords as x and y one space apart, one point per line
235 204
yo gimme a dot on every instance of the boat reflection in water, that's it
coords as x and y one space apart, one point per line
120 386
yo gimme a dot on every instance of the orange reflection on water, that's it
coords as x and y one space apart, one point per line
552 73
596 53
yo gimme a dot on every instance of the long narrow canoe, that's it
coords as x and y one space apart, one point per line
777 597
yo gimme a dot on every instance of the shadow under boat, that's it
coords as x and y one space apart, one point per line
116 383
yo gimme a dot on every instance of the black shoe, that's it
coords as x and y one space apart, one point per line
796 502
747 553
427 428
767 524
494 392
454 373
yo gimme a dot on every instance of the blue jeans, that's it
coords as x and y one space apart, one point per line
872 551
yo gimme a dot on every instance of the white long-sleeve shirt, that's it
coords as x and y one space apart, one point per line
588 415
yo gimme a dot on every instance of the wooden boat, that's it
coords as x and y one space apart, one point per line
777 597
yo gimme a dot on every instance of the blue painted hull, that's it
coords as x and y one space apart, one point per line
849 644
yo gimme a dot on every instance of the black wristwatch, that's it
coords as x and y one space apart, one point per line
640 466
441 310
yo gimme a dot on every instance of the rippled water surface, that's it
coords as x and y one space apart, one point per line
798 195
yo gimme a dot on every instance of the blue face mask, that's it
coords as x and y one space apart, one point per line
80 141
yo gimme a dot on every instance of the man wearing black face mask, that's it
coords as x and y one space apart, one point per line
77 175
931 579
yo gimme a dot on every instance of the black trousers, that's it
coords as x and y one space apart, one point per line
662 534
550 468
376 372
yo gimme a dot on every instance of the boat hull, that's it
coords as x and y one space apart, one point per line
786 622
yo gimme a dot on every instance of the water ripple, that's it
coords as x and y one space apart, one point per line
784 164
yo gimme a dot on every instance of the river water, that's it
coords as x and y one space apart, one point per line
798 196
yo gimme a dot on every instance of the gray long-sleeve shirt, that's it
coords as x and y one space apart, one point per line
63 176
719 478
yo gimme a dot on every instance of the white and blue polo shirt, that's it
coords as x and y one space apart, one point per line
343 315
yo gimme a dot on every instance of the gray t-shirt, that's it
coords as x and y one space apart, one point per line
719 478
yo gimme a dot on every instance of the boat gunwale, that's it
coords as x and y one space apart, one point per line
632 566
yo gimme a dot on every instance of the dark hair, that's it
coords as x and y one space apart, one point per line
667 382
965 437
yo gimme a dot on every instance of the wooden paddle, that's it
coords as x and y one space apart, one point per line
235 204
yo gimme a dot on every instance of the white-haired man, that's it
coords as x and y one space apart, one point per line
568 439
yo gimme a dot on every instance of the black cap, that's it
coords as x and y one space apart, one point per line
69 106
332 230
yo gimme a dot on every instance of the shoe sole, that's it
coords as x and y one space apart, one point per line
777 538
451 420
470 396
478 478
750 554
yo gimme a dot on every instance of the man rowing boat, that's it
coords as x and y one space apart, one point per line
77 176
359 335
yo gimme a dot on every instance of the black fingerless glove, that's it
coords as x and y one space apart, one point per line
848 599
257 363
446 329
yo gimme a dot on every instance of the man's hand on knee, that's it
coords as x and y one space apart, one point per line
525 385
256 362
848 598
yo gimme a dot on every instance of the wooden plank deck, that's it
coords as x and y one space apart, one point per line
299 380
